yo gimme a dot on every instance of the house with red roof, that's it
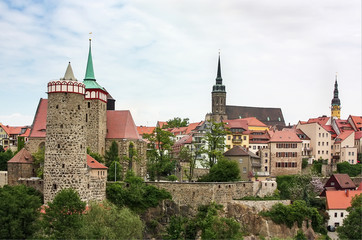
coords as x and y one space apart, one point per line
285 148
355 122
338 182
238 134
21 166
9 135
343 149
144 130
337 203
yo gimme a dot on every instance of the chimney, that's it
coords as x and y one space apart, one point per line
347 192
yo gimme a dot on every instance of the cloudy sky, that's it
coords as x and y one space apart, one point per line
159 58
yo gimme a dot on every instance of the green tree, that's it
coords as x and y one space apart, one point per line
176 123
352 170
215 141
159 154
112 154
223 171
2 149
114 172
21 143
132 156
63 217
135 194
4 158
39 157
190 156
19 209
352 224
106 221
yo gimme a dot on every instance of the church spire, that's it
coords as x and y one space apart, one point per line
336 102
218 87
89 74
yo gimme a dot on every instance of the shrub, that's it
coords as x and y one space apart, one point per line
304 163
172 178
222 171
352 170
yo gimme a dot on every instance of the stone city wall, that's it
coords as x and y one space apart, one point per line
261 205
36 183
194 194
33 144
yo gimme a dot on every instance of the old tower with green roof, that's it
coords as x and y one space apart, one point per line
96 109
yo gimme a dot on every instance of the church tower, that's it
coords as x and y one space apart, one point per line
218 97
96 109
336 103
65 164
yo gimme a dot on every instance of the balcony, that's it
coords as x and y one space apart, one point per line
235 140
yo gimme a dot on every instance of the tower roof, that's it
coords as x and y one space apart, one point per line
69 75
218 87
336 100
89 79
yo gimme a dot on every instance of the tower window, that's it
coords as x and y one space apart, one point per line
58 145
54 186
86 117
56 106
78 107
88 104
63 165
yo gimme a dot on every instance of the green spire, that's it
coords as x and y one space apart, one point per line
89 74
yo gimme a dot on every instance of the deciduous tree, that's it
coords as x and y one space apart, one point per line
215 140
177 122
352 224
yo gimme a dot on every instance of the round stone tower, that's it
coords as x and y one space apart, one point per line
65 164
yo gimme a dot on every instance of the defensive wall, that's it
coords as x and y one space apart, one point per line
3 178
202 193
261 205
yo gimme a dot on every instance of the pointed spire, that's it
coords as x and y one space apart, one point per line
89 74
69 74
218 77
336 100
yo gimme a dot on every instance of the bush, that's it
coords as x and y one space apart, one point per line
352 170
135 194
304 163
295 213
172 178
222 171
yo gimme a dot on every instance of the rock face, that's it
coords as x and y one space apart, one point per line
251 222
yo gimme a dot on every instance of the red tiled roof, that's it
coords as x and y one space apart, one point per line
40 120
252 121
192 126
285 136
178 131
142 129
357 121
344 180
120 125
358 135
321 120
330 129
23 156
340 199
6 128
238 123
184 140
160 124
360 186
343 125
26 133
92 163
341 137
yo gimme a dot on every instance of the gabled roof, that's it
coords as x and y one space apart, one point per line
284 136
240 123
120 125
184 140
240 151
26 133
142 129
6 128
253 121
344 180
160 124
358 135
178 131
321 120
23 156
343 125
340 199
269 116
356 122
341 137
192 126
40 119
94 164
330 129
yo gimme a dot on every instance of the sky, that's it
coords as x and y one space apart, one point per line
158 58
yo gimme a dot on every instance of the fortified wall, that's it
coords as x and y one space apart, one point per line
202 193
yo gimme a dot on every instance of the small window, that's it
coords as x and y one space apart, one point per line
54 186
88 104
63 165
58 145
335 214
341 214
56 106
332 183
244 169
78 107
266 160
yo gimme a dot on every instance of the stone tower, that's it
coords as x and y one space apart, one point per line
218 98
336 103
96 109
65 164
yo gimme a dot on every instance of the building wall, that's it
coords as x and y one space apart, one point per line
65 164
36 183
349 154
244 163
236 139
265 162
294 164
33 144
19 170
96 125
3 178
194 194
336 217
320 140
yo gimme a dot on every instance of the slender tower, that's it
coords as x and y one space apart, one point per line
65 164
218 96
336 103
96 109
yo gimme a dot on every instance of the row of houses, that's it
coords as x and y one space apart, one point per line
9 135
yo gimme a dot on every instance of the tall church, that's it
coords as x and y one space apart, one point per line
336 102
220 111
